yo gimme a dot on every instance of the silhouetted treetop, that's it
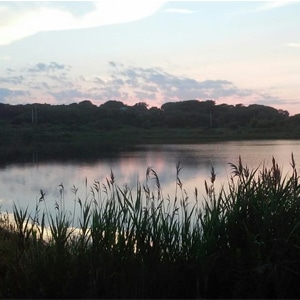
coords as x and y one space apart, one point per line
115 114
86 103
113 104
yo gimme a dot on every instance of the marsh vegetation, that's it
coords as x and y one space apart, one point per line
241 241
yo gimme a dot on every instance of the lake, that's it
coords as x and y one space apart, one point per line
21 183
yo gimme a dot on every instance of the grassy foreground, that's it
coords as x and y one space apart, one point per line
240 242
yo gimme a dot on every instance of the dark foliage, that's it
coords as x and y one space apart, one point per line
242 242
190 113
83 129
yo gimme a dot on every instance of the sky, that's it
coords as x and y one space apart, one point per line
152 51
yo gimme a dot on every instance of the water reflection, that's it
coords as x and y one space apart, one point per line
21 183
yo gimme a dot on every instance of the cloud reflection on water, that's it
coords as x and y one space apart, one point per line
22 183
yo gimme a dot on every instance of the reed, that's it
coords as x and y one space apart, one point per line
239 242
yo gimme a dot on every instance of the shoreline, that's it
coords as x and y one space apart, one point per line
29 144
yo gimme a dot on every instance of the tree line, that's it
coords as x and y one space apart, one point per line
115 114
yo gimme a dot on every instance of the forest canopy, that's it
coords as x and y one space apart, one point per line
84 130
115 114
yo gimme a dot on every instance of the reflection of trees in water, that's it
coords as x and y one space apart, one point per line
21 183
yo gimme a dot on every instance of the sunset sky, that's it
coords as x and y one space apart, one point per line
151 51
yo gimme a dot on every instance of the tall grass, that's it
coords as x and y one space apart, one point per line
239 242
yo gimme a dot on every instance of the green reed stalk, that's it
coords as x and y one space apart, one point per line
241 241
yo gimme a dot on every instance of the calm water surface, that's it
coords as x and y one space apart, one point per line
21 183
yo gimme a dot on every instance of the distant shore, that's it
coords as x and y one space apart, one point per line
23 143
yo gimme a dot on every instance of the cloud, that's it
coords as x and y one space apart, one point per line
9 70
41 67
144 95
265 6
269 100
295 45
129 84
5 58
150 88
66 95
51 74
38 81
179 11
98 80
25 19
156 86
42 86
172 86
273 5
115 64
117 81
5 94
12 79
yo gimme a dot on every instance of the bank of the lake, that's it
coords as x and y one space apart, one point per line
22 143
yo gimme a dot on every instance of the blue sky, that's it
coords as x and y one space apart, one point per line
151 51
